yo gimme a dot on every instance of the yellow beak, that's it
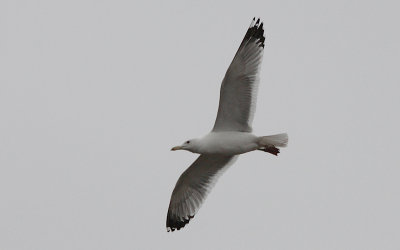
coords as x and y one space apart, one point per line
176 148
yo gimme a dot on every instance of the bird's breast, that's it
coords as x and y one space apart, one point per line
229 143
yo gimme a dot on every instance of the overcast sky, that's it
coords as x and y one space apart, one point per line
93 94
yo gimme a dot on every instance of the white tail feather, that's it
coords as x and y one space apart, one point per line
279 140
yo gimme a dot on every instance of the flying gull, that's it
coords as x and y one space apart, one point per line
231 135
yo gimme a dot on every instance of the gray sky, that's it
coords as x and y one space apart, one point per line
93 94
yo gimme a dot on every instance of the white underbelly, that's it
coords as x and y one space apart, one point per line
230 143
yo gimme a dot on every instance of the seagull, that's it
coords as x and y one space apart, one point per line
231 134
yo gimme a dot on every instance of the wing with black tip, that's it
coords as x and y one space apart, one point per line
238 94
192 188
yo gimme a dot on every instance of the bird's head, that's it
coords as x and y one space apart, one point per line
189 145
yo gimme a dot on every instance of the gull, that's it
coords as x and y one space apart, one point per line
231 134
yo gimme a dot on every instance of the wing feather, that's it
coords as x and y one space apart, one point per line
238 94
192 188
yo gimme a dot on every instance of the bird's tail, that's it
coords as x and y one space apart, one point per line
271 143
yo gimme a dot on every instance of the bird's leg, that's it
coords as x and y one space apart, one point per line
270 149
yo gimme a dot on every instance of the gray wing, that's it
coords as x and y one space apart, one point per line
238 92
192 188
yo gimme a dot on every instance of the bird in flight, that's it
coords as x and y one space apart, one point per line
231 134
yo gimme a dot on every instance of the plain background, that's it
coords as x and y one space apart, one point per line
93 94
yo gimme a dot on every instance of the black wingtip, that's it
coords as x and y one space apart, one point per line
256 32
175 223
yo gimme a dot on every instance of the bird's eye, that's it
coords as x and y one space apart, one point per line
188 142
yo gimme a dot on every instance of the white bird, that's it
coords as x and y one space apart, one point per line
231 134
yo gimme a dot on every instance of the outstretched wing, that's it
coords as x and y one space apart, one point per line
238 92
192 188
